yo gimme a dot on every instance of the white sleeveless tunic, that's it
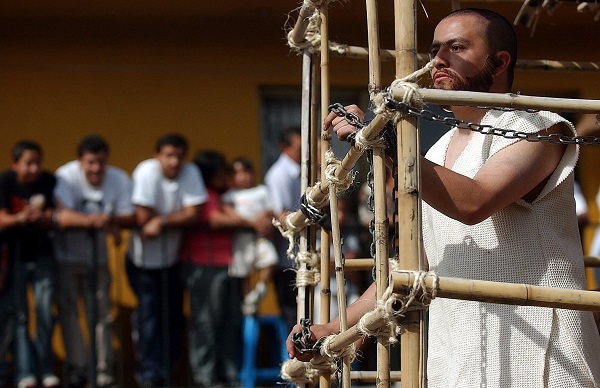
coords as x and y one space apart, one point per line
474 344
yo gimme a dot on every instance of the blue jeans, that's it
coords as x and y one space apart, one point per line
33 356
158 321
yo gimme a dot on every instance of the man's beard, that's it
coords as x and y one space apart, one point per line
480 82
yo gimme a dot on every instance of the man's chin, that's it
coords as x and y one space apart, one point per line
442 85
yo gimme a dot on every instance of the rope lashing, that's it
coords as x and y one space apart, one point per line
298 372
389 330
310 276
410 302
288 230
332 165
348 351
411 95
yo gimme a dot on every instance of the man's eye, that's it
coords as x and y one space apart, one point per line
433 53
455 48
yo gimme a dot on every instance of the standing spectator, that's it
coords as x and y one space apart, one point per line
167 194
214 296
283 181
26 208
251 251
93 199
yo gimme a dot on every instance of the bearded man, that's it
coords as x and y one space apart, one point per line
501 210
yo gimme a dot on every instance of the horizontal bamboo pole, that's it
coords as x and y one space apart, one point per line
368 376
505 100
591 261
504 293
387 55
358 264
363 264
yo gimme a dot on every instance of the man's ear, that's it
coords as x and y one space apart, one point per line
503 59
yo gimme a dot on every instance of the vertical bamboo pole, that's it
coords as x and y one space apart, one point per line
303 294
339 278
379 187
409 218
324 380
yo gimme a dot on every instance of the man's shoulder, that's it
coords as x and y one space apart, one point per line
147 167
116 173
68 169
525 121
283 165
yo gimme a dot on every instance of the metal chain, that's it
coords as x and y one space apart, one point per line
371 207
302 339
553 138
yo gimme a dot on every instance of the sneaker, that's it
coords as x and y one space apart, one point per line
50 381
104 379
253 298
27 382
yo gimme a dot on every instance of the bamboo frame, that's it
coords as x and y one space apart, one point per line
408 198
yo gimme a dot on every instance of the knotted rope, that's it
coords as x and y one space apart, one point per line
311 275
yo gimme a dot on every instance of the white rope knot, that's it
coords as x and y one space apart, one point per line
410 301
363 144
387 331
310 276
288 230
411 96
341 185
348 351
323 364
298 372
312 37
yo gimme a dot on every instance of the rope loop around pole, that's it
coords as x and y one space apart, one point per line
298 372
332 165
410 302
288 230
311 275
348 351
388 331
362 144
411 95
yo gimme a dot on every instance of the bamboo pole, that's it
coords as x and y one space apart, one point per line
339 278
408 218
303 293
324 379
379 187
370 376
546 65
591 261
505 100
505 293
